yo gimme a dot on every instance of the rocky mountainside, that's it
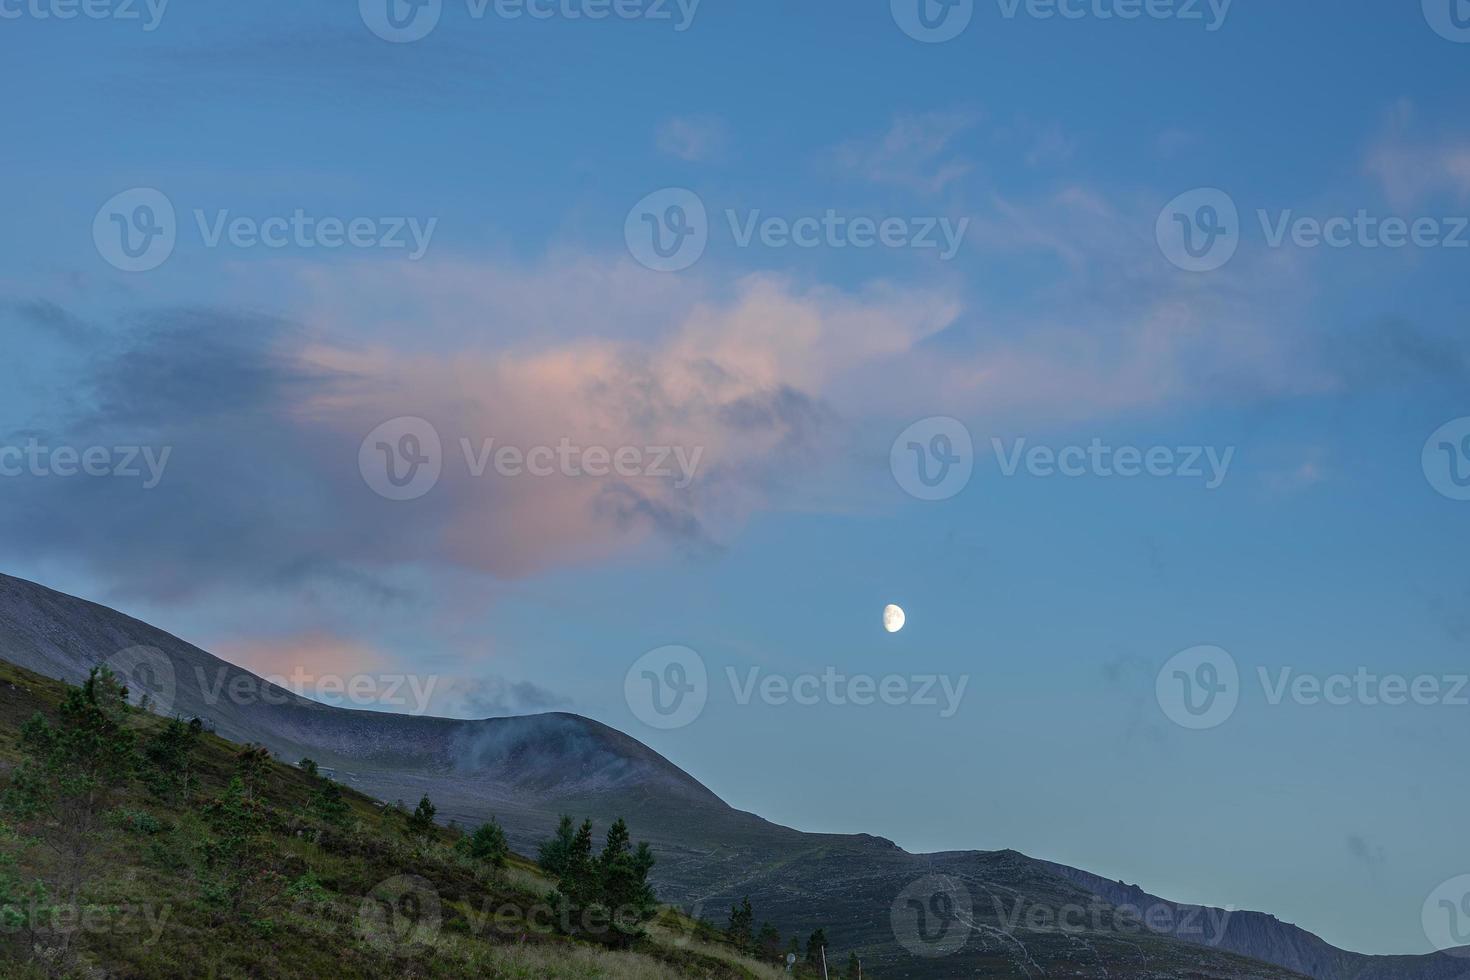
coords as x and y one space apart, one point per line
962 913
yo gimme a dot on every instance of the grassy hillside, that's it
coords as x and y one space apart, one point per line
162 893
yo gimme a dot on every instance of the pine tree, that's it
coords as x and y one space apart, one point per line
622 875
768 942
488 844
854 968
328 806
238 854
421 822
578 878
741 918
168 754
814 945
71 774
552 854
252 764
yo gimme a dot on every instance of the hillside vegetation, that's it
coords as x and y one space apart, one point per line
133 846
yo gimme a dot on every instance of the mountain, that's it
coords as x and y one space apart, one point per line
959 913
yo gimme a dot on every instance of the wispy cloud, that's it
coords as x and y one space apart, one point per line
694 138
1412 167
916 152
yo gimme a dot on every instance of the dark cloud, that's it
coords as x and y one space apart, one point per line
193 366
1393 352
1369 855
206 393
53 320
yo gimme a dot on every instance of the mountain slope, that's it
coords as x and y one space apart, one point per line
350 892
949 914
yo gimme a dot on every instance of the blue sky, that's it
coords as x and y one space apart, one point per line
518 148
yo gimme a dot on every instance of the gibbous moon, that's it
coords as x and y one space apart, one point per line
892 618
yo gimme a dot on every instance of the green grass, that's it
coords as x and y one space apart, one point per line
149 916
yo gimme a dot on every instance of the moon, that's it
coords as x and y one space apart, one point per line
892 618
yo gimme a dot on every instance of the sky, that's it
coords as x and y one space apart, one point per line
1122 345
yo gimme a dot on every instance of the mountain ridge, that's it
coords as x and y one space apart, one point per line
526 770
